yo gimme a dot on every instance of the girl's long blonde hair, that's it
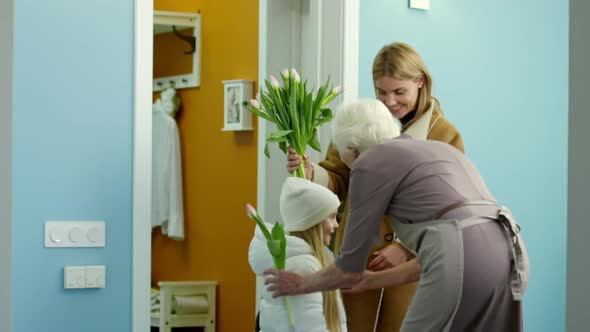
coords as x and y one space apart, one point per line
402 62
314 237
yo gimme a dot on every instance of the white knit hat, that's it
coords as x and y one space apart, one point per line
305 204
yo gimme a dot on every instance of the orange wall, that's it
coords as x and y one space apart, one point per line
219 168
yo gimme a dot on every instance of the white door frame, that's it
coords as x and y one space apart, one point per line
339 60
320 39
142 163
6 80
331 50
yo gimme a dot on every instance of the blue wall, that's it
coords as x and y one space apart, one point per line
500 70
72 160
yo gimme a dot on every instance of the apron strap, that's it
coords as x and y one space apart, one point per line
520 271
465 223
476 220
462 204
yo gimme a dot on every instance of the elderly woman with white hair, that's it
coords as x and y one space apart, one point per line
471 262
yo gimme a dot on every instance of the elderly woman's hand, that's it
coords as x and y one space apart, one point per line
294 160
282 282
388 257
364 284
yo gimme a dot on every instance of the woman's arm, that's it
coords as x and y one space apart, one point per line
331 173
283 282
335 171
399 275
392 255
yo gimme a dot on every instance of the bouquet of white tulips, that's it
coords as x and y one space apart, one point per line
295 111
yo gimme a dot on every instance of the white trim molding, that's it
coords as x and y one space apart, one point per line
262 124
320 39
578 228
6 104
350 41
6 80
142 163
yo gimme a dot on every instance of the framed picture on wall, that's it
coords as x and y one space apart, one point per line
235 115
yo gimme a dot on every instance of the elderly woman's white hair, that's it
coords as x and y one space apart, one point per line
363 123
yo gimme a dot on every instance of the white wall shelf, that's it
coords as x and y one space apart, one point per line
164 22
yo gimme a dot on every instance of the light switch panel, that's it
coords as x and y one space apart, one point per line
95 276
74 234
74 277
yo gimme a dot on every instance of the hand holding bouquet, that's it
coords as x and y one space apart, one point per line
295 111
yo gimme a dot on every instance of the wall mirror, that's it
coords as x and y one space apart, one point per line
176 50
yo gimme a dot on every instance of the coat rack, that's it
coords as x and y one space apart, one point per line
172 22
191 40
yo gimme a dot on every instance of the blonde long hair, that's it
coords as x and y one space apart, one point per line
402 62
314 237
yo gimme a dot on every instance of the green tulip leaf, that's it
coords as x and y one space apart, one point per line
278 136
314 142
283 146
266 151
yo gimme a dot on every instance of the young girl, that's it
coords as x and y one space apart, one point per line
309 212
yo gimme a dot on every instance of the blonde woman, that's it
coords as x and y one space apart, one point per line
309 212
403 84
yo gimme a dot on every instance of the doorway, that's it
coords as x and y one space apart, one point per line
326 28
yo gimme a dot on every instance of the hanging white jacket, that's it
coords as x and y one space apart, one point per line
167 205
308 309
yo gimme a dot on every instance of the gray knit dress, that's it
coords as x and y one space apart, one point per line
467 265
